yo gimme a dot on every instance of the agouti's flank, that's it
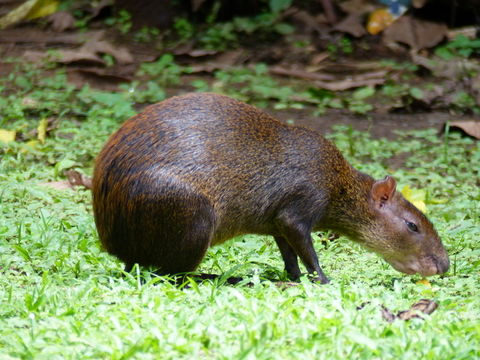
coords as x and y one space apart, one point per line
196 170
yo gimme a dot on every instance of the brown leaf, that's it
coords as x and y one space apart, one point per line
470 127
354 82
311 23
358 7
76 178
59 185
424 306
447 68
117 74
80 55
353 25
416 33
121 54
301 74
61 21
387 314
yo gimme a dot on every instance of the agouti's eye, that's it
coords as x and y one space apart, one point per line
411 226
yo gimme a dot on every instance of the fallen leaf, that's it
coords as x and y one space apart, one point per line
30 9
120 53
58 185
17 14
61 21
416 197
359 7
42 8
353 25
424 306
76 178
418 34
29 146
42 130
470 127
446 68
7 136
424 281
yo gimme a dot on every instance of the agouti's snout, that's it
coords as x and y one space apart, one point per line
196 170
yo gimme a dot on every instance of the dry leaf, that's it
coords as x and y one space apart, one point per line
61 21
416 33
358 7
470 127
446 68
424 306
76 178
7 136
59 185
353 25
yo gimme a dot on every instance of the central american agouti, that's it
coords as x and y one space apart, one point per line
196 170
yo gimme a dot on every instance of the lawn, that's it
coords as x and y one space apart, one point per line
62 297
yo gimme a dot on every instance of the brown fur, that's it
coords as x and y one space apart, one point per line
194 171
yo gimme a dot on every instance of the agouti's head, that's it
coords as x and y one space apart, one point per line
402 234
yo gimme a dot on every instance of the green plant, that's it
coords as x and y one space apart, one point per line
122 21
461 46
184 28
146 34
357 102
165 71
341 46
255 86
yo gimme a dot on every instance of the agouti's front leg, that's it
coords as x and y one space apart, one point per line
298 238
289 257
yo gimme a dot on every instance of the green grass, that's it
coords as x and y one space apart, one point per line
63 298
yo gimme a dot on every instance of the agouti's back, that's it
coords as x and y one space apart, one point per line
196 170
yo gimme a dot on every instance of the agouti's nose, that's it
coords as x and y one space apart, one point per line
442 264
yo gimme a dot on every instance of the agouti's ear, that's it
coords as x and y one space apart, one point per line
383 190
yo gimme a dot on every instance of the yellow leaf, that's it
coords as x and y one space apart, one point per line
30 9
29 145
42 130
416 197
42 8
7 136
424 282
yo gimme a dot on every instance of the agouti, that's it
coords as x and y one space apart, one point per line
196 170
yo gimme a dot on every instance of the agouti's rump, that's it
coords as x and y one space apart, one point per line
196 170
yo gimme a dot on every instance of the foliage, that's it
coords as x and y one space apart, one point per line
460 46
253 85
122 21
343 46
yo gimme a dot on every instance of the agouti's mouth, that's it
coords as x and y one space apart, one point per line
414 267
